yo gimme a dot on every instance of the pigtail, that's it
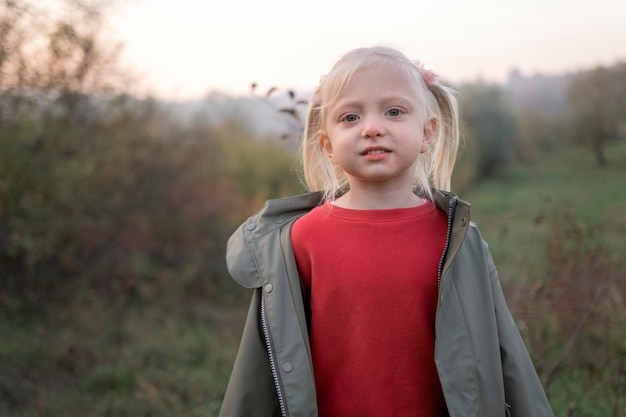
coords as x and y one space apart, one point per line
320 174
311 150
446 146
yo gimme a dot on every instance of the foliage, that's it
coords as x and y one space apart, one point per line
597 108
60 50
105 191
126 201
538 132
489 133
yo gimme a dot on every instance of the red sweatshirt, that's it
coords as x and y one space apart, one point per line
372 280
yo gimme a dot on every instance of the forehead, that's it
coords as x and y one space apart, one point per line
381 79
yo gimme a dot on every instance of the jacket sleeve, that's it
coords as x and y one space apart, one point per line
524 393
251 390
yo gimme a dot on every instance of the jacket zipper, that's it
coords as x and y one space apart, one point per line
451 209
270 352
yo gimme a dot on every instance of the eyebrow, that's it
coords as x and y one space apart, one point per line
384 99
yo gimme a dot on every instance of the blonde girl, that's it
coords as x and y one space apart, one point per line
374 294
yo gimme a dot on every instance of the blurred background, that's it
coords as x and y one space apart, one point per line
135 136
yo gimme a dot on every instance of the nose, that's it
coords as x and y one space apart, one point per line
373 127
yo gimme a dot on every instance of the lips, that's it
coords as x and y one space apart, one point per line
375 151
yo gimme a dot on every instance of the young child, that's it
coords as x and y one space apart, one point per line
375 295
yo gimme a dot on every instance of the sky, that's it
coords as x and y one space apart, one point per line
187 49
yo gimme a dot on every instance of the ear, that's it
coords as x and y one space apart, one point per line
326 144
430 126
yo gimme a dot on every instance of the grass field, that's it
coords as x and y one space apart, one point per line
514 210
172 357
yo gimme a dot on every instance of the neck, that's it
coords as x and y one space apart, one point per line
379 199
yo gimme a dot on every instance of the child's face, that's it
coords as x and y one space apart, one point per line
376 129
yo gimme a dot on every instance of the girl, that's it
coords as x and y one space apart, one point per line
375 295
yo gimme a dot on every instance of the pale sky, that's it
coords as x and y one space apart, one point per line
186 49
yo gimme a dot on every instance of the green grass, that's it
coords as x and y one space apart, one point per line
514 210
95 359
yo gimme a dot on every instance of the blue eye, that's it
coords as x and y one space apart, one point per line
350 118
394 112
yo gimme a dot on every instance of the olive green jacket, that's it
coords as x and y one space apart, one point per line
483 364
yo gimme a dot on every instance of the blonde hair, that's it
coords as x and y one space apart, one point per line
436 165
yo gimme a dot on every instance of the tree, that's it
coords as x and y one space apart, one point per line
597 107
489 129
57 54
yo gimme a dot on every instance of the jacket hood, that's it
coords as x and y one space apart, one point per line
240 258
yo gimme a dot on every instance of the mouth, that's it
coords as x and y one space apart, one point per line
375 151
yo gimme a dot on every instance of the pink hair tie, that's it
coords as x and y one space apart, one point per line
429 77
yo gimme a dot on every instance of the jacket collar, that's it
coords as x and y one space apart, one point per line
278 211
458 212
